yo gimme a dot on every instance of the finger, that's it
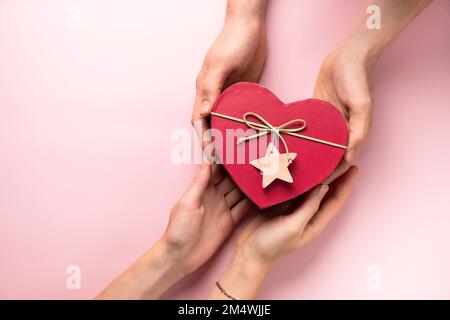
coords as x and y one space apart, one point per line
233 197
217 173
303 213
209 84
359 125
225 185
194 194
339 171
201 127
336 198
240 209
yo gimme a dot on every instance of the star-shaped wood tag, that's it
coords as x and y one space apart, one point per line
274 165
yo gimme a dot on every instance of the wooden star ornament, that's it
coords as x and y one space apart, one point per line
274 165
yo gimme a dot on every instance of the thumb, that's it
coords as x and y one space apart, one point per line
209 85
194 194
359 126
300 217
332 205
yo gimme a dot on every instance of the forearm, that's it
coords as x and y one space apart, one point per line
148 278
395 16
246 10
242 279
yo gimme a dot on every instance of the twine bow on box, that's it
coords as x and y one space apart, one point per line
274 165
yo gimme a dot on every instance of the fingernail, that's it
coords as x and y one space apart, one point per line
350 155
207 135
322 190
206 160
204 108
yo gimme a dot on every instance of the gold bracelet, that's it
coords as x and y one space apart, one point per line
226 294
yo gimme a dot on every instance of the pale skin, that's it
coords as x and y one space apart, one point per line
203 218
205 215
199 222
238 54
270 236
344 78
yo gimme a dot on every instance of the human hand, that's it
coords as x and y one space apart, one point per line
203 218
271 235
344 80
238 54
279 230
199 222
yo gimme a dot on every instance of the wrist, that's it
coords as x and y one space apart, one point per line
162 258
359 51
242 278
246 253
148 278
364 45
246 11
240 23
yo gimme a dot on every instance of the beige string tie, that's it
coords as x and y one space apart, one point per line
266 127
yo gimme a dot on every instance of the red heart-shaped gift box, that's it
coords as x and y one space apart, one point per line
315 161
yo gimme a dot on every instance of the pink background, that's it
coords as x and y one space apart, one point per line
86 119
